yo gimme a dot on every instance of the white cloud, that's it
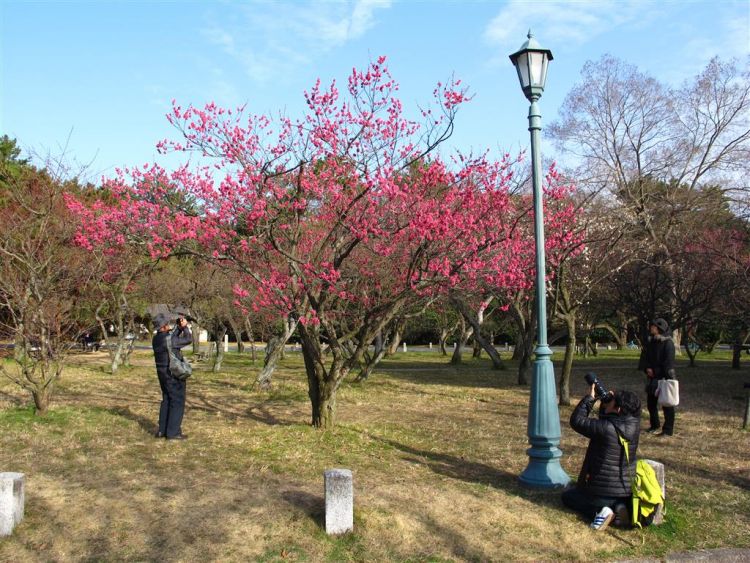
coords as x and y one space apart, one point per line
563 22
269 38
683 36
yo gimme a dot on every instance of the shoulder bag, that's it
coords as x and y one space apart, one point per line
668 392
179 368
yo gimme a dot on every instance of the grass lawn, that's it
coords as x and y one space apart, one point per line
435 449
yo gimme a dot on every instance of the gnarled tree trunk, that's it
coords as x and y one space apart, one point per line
275 352
570 350
476 324
463 338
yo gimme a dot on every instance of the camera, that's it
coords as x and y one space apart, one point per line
600 392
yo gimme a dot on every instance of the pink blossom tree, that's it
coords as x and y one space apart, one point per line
343 219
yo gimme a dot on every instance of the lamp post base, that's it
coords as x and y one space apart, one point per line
544 474
544 469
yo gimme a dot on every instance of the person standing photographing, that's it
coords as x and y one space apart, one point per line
173 390
657 362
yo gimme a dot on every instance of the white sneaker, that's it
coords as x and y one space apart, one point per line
602 519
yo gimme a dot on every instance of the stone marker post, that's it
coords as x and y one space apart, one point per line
11 501
659 470
339 501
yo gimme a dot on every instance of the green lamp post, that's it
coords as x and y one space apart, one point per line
544 468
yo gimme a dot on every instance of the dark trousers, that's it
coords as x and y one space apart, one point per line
588 505
172 403
653 414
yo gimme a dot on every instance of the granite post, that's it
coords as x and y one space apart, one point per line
659 470
11 501
339 501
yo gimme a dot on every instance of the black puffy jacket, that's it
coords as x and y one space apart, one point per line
605 471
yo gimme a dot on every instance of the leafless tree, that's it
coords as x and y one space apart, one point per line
43 278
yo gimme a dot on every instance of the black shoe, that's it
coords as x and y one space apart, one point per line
664 434
159 435
178 437
652 430
622 517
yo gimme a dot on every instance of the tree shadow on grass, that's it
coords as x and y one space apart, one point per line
472 374
260 413
235 408
470 471
734 479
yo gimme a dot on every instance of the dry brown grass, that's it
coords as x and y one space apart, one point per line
435 451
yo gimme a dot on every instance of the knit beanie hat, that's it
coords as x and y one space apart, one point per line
161 320
661 324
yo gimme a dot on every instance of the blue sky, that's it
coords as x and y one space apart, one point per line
98 77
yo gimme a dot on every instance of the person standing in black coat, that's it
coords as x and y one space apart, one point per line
657 361
172 389
603 488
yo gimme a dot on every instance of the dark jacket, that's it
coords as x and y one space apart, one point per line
659 356
180 338
605 471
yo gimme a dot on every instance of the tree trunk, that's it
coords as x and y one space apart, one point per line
275 353
622 341
476 348
40 377
370 366
270 360
518 349
677 339
570 349
196 338
461 341
736 352
119 347
372 360
321 384
129 347
219 334
116 356
41 395
251 338
476 323
691 354
19 349
526 326
443 337
395 337
589 346
523 367
237 332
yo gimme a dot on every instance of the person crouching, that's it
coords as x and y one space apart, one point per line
603 491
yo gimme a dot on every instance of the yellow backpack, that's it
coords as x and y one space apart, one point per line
647 493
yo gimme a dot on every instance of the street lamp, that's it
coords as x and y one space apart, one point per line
544 468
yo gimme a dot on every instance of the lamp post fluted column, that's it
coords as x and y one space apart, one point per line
544 469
